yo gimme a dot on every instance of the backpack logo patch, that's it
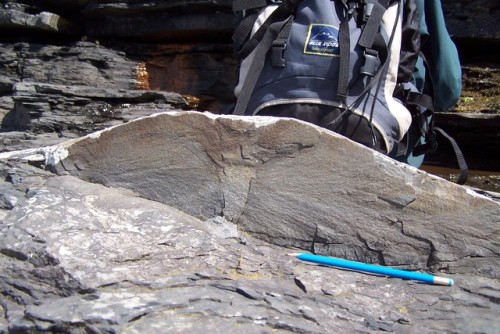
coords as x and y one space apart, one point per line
322 40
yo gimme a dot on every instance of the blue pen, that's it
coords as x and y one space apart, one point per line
371 268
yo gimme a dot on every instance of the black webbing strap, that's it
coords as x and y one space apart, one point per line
284 34
345 53
420 99
373 21
257 65
239 5
279 45
281 13
242 32
462 164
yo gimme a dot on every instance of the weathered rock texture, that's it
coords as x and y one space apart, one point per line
181 46
224 199
474 19
191 230
112 47
294 176
69 68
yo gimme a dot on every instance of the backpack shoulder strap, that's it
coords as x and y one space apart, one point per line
282 12
273 32
257 65
239 5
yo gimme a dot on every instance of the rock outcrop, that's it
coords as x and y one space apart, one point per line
472 19
182 46
159 20
181 222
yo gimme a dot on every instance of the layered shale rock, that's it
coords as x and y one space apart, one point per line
159 20
181 46
64 62
315 190
181 222
20 17
66 92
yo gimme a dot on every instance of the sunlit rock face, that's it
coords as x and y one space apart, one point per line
293 184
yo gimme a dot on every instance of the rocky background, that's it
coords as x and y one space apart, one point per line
146 253
70 67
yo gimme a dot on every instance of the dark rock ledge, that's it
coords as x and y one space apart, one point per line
478 137
181 222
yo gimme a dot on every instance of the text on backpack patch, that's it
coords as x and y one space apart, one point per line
322 40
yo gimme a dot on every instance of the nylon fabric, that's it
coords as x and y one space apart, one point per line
313 58
257 66
284 10
410 41
247 62
401 114
442 57
239 5
352 66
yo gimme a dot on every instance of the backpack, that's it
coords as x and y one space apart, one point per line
348 66
430 61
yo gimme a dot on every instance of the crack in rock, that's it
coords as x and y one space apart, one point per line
379 253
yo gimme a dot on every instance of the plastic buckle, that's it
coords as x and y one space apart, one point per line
402 94
371 63
367 11
430 146
352 5
277 55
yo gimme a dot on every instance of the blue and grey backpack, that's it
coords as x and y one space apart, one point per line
351 66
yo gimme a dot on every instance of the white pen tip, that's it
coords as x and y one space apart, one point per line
294 254
443 281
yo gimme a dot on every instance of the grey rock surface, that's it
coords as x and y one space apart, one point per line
68 91
319 191
52 93
81 256
13 17
192 226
